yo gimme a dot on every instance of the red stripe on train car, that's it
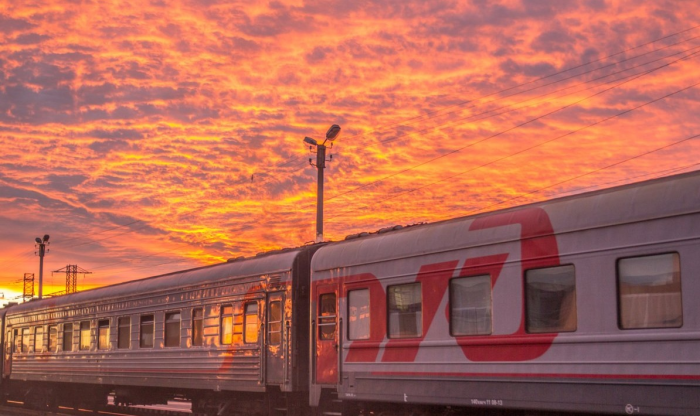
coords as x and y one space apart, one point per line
544 375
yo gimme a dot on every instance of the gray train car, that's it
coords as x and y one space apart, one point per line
6 346
583 303
233 335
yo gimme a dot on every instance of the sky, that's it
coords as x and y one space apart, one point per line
147 137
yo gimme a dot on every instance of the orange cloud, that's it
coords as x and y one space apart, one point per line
147 139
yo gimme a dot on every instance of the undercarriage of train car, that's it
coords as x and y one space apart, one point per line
47 396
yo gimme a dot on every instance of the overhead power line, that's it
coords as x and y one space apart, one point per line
460 104
553 92
454 151
488 207
569 133
628 179
100 232
131 260
25 257
442 111
93 240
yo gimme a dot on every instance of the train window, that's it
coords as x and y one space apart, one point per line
274 323
649 292
38 339
251 323
68 337
85 335
25 339
53 338
550 299
124 333
358 314
226 324
103 334
405 311
18 341
470 305
147 327
238 325
326 316
197 320
172 329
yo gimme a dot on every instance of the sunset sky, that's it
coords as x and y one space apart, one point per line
151 136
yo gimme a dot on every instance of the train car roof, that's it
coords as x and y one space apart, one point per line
671 195
268 264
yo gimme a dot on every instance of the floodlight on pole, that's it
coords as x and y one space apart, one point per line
42 251
332 134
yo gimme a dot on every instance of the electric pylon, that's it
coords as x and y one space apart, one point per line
72 271
28 292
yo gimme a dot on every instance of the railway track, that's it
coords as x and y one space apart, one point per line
17 409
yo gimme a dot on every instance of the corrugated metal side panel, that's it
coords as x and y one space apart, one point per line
198 367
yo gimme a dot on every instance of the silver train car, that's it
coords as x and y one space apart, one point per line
217 335
583 303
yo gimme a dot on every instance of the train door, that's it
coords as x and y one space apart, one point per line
326 315
7 362
276 338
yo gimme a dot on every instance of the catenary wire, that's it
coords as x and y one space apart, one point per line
482 209
442 110
636 76
541 143
454 151
627 179
101 232
529 90
92 241
553 92
421 117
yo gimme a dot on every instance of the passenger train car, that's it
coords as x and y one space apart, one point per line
216 335
583 303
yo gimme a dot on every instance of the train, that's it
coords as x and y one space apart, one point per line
585 303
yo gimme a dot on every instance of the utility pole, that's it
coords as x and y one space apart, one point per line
320 165
42 251
331 135
72 271
28 292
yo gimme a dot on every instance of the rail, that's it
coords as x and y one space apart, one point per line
17 409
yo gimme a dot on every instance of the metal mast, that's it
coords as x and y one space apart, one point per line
41 243
331 135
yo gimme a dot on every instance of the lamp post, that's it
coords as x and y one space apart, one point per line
332 134
42 251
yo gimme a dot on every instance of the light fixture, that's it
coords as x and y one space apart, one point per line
42 252
333 132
